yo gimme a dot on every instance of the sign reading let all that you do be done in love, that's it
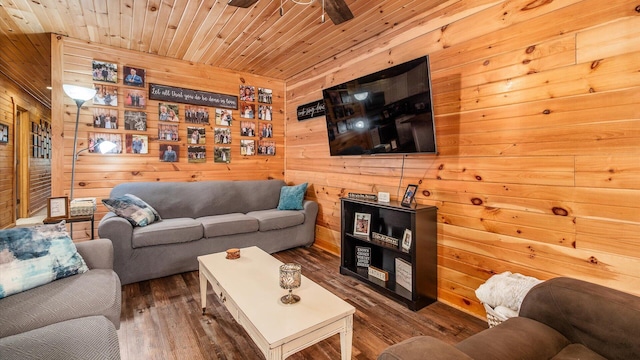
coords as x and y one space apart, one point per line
194 97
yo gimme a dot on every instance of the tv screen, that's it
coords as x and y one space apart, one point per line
388 112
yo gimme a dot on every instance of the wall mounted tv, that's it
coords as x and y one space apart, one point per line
388 112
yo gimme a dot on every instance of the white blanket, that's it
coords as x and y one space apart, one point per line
506 289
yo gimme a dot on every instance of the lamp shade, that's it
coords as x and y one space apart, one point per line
104 146
79 92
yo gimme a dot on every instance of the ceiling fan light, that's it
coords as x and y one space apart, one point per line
303 2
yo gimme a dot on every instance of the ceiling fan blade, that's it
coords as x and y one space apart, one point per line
242 3
338 11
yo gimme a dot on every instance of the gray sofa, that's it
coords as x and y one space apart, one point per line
559 319
71 318
200 218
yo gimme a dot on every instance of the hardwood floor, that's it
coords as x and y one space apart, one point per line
162 318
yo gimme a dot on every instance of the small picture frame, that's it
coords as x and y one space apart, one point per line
4 133
406 240
362 224
58 207
134 76
409 194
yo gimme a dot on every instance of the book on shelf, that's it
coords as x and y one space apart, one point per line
363 256
403 273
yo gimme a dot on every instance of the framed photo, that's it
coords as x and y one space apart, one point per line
133 76
222 154
362 224
222 136
266 147
247 147
247 128
265 95
409 194
4 133
247 93
247 110
134 98
58 207
105 118
224 117
104 71
265 112
106 95
196 114
168 112
406 240
137 144
196 135
135 120
169 153
196 154
168 132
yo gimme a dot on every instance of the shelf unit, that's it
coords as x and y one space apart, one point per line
391 219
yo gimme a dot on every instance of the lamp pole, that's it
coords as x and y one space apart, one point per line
79 102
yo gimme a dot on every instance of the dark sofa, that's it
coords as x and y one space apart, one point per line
559 319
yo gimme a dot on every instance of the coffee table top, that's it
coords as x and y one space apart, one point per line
252 283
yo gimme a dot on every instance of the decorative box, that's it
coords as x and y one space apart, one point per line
82 207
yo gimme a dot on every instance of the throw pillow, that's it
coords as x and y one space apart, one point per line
132 208
34 256
291 197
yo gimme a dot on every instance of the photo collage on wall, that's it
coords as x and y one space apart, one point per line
107 111
121 112
250 128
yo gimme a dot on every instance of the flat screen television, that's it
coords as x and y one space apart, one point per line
388 112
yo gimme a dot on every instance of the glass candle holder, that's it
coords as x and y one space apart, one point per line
290 277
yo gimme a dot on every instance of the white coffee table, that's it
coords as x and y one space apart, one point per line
250 290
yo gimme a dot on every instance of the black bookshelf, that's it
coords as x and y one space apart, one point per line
390 220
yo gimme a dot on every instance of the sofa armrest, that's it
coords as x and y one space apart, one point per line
97 254
423 348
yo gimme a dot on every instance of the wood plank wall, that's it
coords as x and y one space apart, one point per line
12 97
537 108
97 174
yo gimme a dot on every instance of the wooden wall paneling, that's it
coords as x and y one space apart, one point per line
97 174
37 180
538 157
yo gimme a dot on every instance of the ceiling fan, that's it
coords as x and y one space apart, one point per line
338 10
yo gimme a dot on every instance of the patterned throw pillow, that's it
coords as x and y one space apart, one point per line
291 197
132 208
34 256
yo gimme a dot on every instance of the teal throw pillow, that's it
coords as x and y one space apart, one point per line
35 256
132 208
291 197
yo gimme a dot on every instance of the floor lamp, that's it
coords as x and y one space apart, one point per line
79 94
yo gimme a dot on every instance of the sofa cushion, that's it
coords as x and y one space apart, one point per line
132 208
228 224
167 231
577 351
96 292
422 347
277 219
520 338
34 256
291 197
87 338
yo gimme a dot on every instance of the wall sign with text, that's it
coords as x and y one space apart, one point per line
189 96
311 110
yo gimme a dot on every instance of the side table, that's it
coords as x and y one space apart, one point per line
71 220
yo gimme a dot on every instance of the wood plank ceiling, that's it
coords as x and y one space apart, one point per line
256 40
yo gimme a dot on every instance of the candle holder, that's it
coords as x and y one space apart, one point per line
290 277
